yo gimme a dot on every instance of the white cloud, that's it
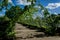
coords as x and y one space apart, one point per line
55 13
53 5
2 14
22 2
36 6
10 1
42 10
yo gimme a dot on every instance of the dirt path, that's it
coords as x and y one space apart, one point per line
23 33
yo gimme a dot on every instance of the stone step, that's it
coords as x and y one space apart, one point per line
28 33
22 35
19 31
42 38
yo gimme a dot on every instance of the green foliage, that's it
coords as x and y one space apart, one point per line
46 13
25 16
7 22
49 22
52 22
32 1
3 4
6 28
14 12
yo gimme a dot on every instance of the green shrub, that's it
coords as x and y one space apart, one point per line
6 28
50 30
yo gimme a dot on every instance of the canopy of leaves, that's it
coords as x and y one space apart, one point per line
3 4
14 12
31 0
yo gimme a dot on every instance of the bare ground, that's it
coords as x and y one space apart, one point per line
23 33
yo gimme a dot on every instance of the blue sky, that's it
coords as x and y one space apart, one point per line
53 6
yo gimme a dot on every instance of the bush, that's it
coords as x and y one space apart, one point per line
50 30
6 28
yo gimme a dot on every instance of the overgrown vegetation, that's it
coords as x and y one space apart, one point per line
6 29
48 23
8 21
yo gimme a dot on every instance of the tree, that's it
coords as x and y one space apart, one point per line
32 1
3 4
52 23
28 12
14 12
